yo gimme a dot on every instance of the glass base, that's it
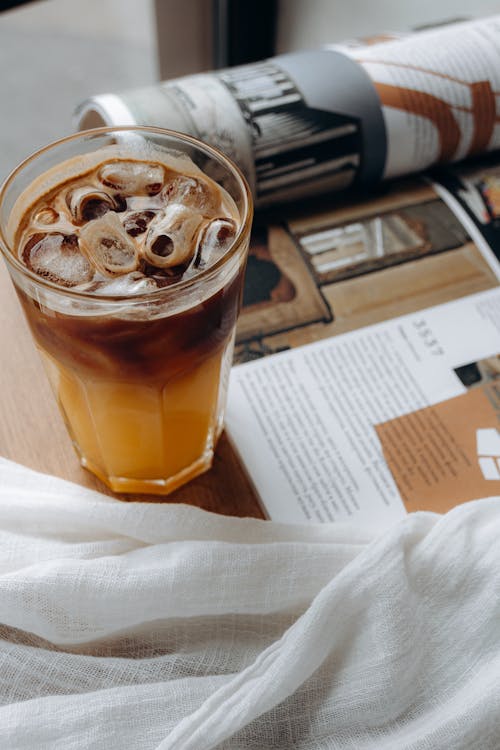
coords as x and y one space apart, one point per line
152 486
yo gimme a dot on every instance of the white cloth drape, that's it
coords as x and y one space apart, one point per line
142 626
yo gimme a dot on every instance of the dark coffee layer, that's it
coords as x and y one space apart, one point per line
144 351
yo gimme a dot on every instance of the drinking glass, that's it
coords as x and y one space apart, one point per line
141 380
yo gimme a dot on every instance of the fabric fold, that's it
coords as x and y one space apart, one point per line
163 626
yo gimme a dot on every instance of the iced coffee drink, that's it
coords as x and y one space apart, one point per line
128 255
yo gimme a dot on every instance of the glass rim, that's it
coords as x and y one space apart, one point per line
163 292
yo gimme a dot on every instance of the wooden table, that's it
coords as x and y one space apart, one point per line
31 429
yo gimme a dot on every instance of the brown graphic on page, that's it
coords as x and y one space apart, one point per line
448 453
440 112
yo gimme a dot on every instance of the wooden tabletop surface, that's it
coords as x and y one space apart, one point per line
32 432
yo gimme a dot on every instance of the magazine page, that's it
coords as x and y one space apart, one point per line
332 265
326 268
303 421
438 90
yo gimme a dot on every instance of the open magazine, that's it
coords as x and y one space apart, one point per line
392 417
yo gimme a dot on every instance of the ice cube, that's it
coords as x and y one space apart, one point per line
136 222
88 203
108 246
133 178
127 284
192 192
46 215
215 240
172 236
57 257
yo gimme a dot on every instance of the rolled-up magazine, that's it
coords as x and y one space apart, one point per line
314 121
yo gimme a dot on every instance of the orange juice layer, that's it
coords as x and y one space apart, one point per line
141 438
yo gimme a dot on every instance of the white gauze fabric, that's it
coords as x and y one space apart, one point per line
152 626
